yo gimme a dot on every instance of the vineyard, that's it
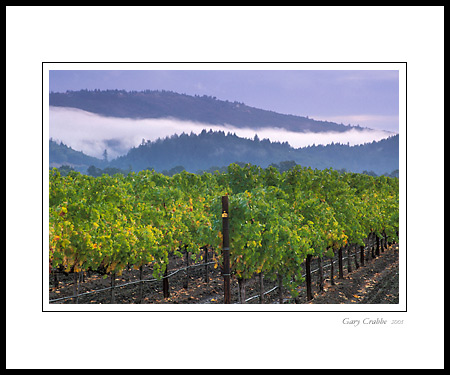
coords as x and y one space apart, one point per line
256 227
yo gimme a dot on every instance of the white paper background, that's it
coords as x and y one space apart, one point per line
36 339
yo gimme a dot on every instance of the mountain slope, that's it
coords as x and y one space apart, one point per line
217 149
204 109
61 154
201 152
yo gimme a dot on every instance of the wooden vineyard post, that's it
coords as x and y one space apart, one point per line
241 283
226 250
349 259
332 270
113 285
186 282
362 255
319 262
356 257
261 288
308 277
75 287
206 266
280 288
341 269
372 245
140 284
166 292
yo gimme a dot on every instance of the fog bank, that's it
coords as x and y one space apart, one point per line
92 133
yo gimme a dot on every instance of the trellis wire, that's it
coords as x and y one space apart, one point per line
368 246
132 282
313 271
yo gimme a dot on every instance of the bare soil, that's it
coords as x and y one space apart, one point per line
374 283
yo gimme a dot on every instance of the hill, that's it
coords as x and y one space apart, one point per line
216 149
203 109
213 150
61 154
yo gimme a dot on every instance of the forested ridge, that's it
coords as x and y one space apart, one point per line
215 150
204 109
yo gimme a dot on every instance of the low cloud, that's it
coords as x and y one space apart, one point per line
92 133
378 122
295 139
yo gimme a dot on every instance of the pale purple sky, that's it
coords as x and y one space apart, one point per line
369 98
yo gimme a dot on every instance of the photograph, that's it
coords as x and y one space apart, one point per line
231 186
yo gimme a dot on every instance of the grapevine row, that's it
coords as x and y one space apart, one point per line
276 221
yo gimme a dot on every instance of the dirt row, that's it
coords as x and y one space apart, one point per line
377 282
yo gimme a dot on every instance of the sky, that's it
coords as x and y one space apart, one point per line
369 98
